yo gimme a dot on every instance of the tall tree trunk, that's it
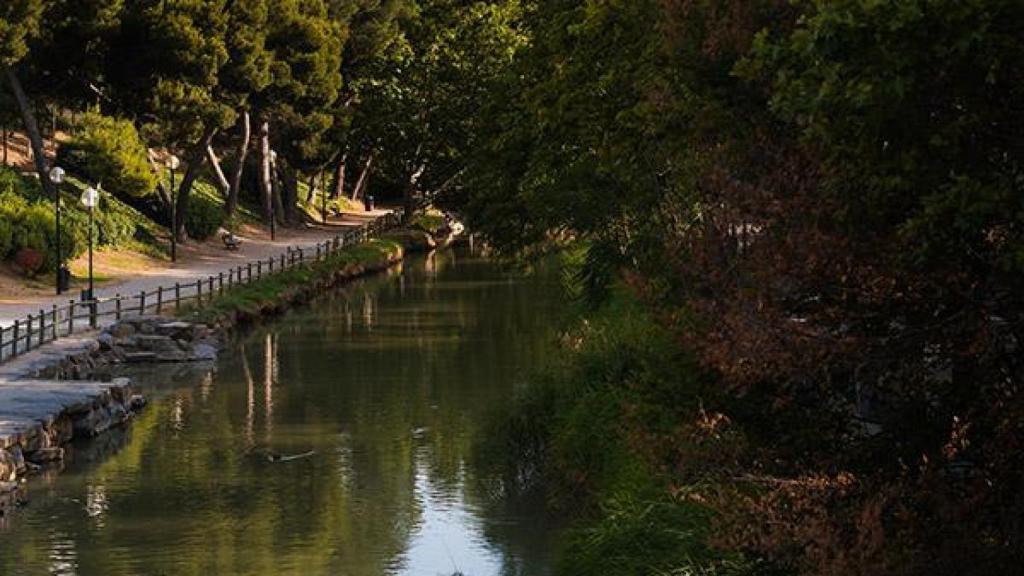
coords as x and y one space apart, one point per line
275 191
236 178
222 180
35 138
311 194
409 195
195 165
289 195
161 186
266 172
364 176
338 189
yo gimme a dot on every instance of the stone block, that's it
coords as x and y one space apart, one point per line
44 455
8 467
106 341
122 330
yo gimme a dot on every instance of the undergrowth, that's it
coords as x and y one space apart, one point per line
577 436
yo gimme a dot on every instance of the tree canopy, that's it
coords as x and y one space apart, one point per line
823 202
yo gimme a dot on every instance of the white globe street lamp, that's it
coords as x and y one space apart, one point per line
57 177
90 198
172 164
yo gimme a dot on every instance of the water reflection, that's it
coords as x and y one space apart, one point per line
332 442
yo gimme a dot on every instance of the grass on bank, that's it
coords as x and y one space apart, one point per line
578 434
269 290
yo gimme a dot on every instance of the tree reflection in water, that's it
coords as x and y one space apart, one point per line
388 398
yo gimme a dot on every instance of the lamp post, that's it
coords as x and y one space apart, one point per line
91 197
273 174
57 177
172 164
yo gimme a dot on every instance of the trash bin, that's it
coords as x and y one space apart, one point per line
369 203
63 278
86 295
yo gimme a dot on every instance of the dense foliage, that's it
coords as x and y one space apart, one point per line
29 223
819 203
308 85
582 430
109 151
204 217
822 201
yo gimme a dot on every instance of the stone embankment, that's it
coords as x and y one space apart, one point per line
133 341
39 417
51 398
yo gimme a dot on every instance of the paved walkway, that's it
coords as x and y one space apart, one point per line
195 262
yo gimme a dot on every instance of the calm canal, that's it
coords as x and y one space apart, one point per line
335 440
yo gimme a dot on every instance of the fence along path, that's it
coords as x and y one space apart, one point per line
79 316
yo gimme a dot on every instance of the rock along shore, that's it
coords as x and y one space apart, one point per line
39 417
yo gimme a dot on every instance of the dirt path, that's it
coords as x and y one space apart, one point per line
195 260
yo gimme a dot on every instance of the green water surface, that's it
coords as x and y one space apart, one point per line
384 382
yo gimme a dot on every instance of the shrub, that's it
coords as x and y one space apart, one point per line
31 225
115 224
109 150
204 217
30 261
11 206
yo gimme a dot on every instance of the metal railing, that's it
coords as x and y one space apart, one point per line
80 316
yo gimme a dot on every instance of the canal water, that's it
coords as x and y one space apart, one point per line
335 440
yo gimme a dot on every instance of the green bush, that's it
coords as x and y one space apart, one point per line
30 261
27 221
11 207
115 224
32 226
204 217
109 150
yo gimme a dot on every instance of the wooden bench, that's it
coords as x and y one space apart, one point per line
231 241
